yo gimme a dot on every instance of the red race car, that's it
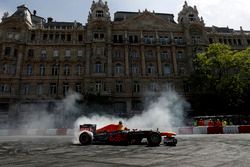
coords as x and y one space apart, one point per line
117 135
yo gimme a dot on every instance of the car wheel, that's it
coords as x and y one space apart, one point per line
154 139
85 138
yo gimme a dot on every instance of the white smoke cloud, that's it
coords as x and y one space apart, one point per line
39 116
164 113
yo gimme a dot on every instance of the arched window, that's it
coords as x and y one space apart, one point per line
42 69
29 69
167 69
118 68
98 67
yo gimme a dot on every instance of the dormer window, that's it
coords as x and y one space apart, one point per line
99 13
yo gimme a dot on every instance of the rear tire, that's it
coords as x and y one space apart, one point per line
85 138
154 139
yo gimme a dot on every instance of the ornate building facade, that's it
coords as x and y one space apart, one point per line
137 52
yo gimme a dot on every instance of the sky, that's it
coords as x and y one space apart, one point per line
221 13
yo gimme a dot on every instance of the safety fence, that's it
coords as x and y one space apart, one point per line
179 130
214 130
37 132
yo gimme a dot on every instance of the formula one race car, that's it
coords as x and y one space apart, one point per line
111 134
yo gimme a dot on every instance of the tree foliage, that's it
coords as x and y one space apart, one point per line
221 78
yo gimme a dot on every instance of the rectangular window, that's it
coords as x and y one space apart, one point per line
53 89
55 70
248 41
99 13
7 51
31 53
67 53
51 37
33 37
17 36
29 69
56 53
68 37
164 40
98 35
5 88
45 36
239 42
179 55
43 53
118 86
65 89
57 37
80 38
98 68
133 39
78 88
79 53
26 89
63 37
40 89
179 40
164 55
136 87
148 39
66 70
153 87
98 86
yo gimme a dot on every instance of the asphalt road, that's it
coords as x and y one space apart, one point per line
191 151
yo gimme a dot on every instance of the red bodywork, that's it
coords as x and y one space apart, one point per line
108 128
114 127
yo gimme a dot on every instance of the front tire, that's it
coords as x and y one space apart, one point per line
85 138
154 139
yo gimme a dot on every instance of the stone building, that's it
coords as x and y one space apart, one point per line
135 55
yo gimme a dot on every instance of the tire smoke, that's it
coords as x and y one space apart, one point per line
163 113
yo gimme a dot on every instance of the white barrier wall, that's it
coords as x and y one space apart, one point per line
200 130
230 130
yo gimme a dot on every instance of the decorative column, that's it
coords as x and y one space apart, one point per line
109 60
173 51
159 65
126 61
143 61
88 49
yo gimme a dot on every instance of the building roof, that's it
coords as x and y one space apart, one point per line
121 15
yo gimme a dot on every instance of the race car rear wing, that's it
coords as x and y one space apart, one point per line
88 127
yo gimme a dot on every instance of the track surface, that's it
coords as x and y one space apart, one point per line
191 151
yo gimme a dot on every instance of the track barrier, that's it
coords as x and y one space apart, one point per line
180 130
4 132
230 130
185 130
244 129
32 132
200 130
215 130
51 132
61 131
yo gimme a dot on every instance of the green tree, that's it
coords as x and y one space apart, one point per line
220 81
